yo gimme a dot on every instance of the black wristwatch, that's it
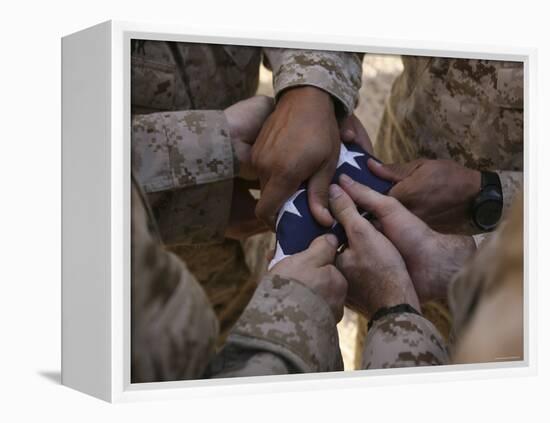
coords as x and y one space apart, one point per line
487 206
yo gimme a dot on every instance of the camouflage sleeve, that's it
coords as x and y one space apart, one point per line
173 326
403 340
185 163
286 328
512 184
338 73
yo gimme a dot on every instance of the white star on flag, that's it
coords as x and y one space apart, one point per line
279 255
347 156
289 207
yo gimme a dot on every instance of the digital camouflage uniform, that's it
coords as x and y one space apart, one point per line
467 110
470 111
486 299
286 327
190 186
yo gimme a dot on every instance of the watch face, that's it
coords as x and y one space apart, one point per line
488 214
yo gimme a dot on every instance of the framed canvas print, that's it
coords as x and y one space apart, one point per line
259 212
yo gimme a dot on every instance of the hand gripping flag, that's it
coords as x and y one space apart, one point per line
296 227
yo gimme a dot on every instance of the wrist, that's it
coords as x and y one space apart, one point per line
395 309
472 185
486 208
397 292
307 93
450 253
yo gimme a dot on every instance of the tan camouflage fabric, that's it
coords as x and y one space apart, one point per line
467 110
486 298
403 340
173 326
181 151
286 328
286 324
186 76
184 162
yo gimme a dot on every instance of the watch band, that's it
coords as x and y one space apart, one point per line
490 191
396 309
490 179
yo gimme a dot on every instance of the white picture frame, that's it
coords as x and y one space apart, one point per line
96 214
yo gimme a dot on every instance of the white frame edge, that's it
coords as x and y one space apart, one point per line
108 377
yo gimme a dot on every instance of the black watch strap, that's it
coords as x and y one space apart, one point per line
396 309
490 195
489 180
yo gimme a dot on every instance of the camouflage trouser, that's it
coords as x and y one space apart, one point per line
229 273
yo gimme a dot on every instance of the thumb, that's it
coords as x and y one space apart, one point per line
395 172
321 251
317 192
368 199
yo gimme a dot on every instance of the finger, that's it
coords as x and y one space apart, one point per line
392 172
339 288
321 251
368 199
344 209
270 254
342 260
362 137
317 193
249 115
347 135
262 107
274 194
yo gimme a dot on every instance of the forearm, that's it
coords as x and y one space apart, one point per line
455 251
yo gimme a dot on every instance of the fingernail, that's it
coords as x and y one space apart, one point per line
334 191
346 180
375 162
332 240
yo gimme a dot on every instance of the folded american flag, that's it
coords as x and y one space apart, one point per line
296 226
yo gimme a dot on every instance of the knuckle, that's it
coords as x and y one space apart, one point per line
318 189
345 211
258 159
337 281
357 230
285 172
346 259
391 202
262 212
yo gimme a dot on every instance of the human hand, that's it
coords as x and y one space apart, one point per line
376 273
352 130
314 268
243 222
431 258
440 192
298 142
245 120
